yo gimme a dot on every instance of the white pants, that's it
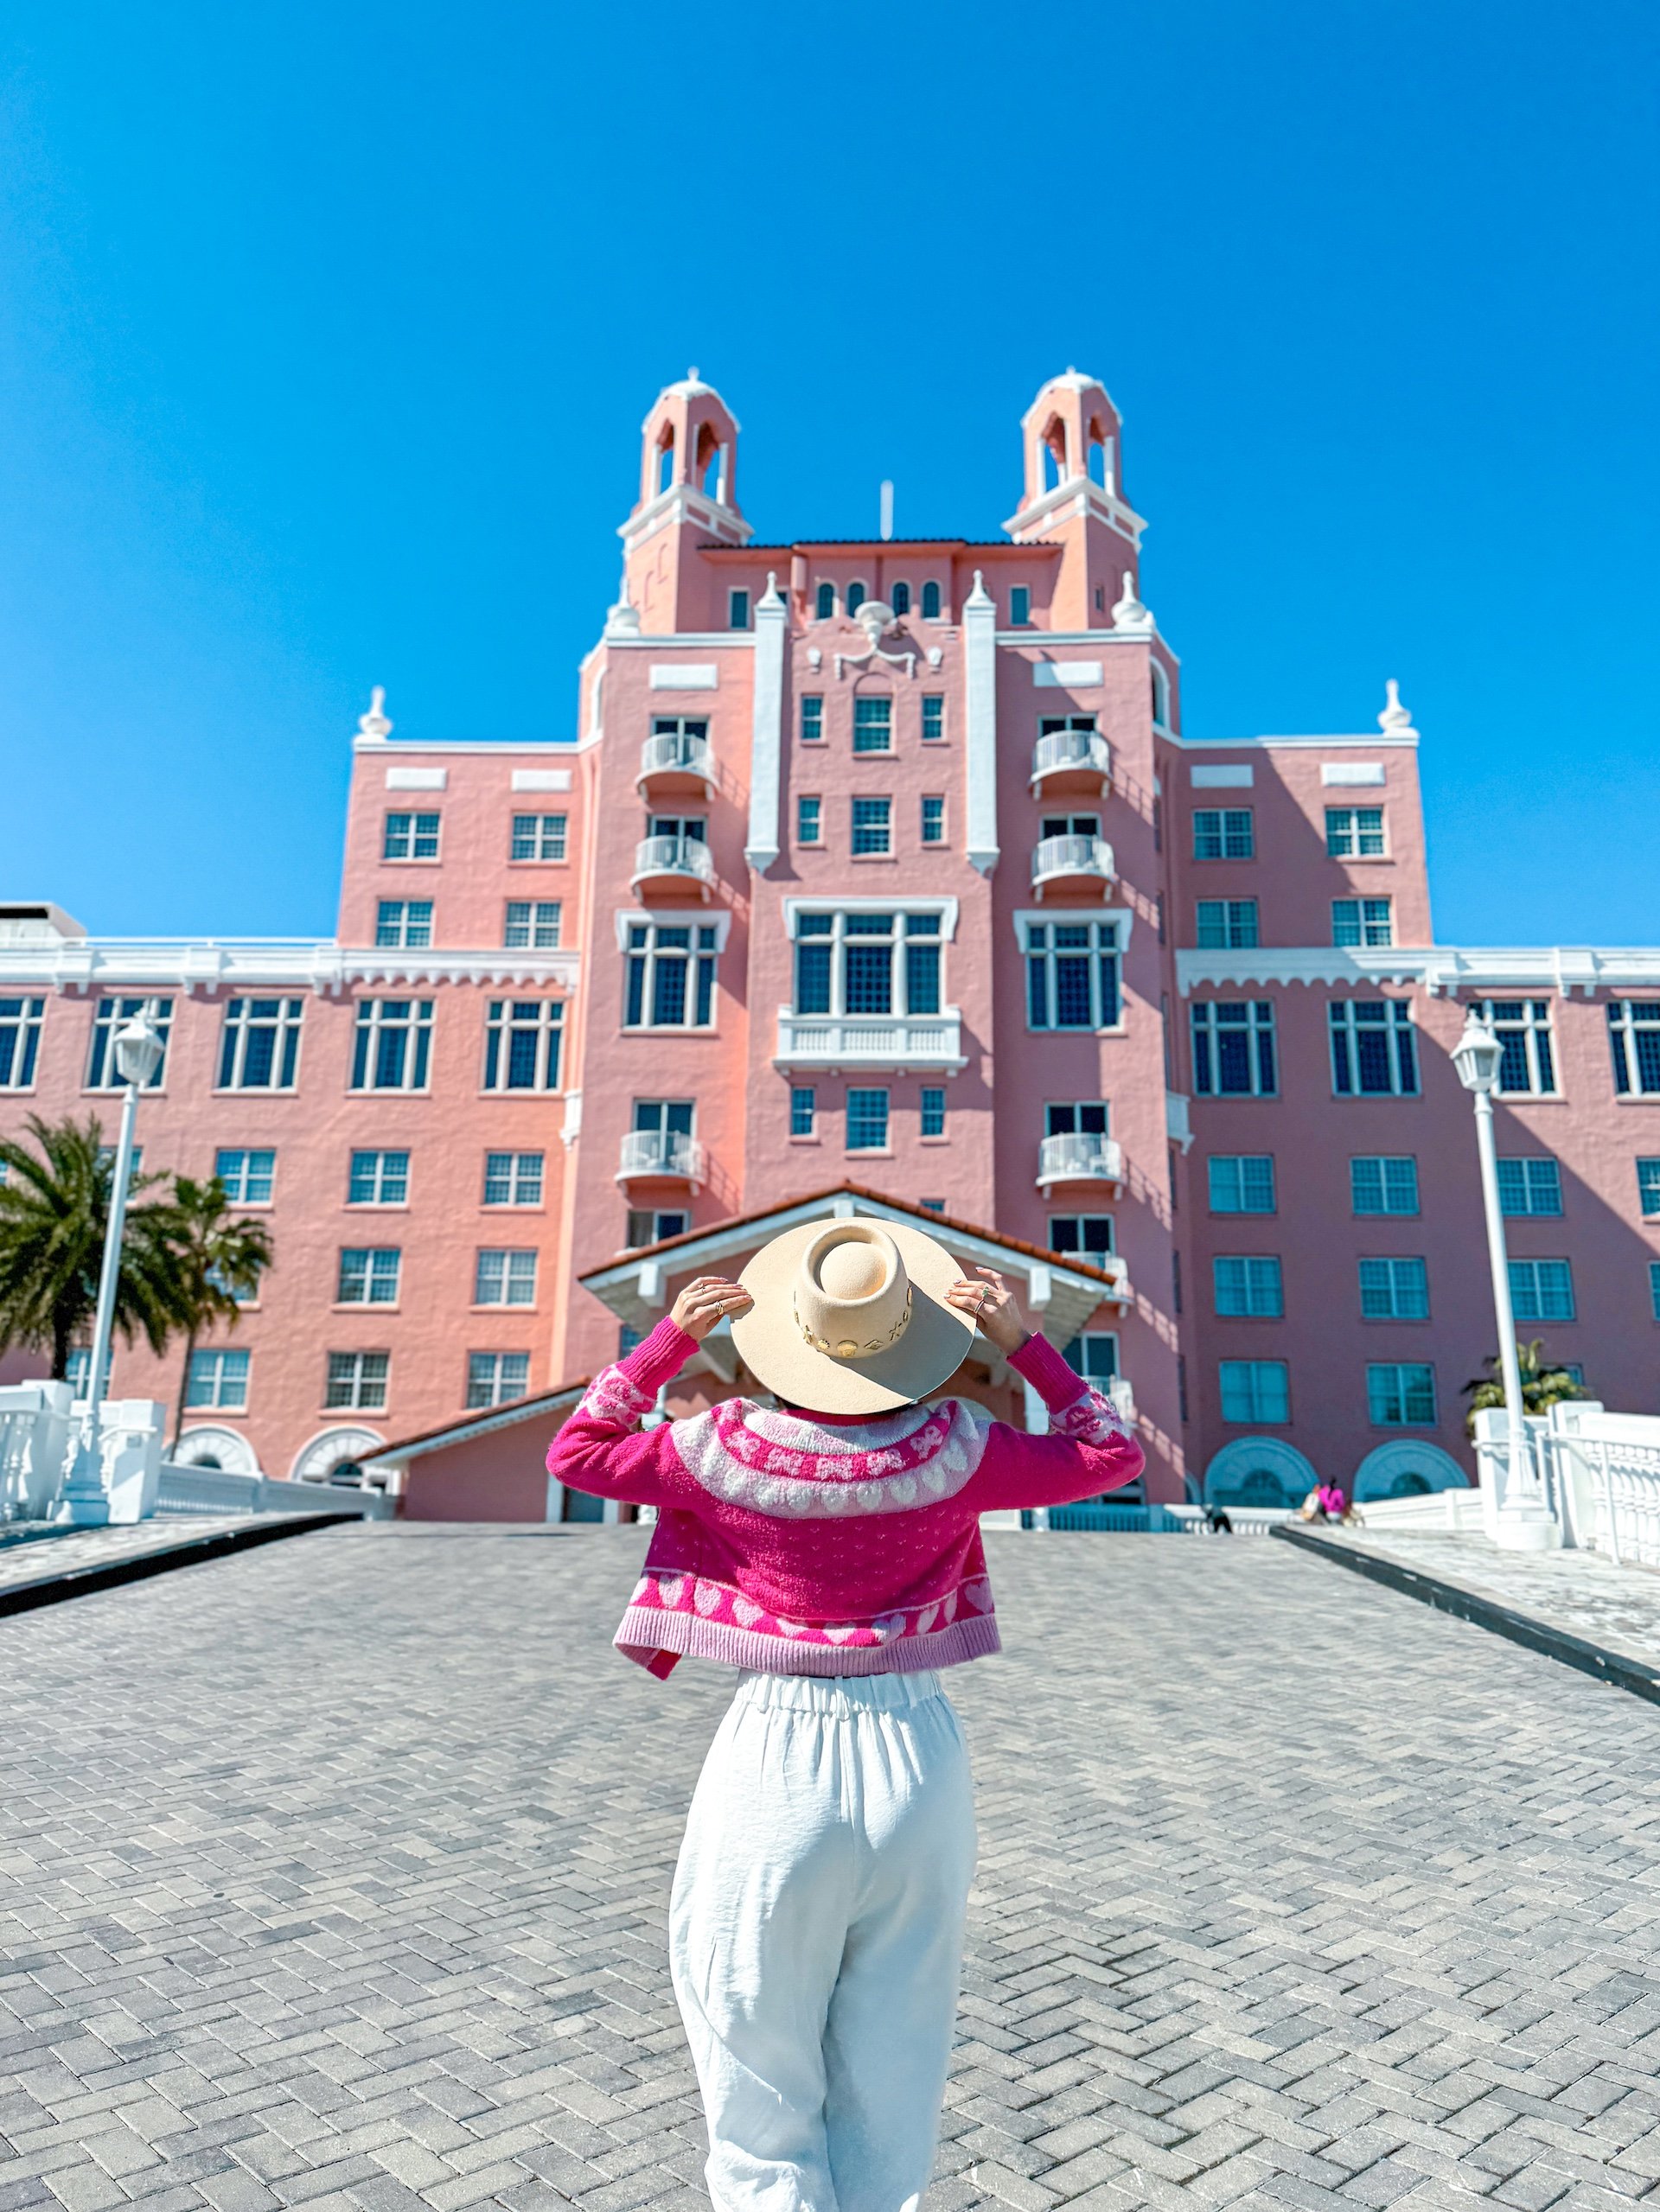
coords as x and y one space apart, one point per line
815 1938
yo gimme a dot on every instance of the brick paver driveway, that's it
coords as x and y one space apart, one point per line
336 1874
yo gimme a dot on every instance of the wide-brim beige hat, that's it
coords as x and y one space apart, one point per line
850 1315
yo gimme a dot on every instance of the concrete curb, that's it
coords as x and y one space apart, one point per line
78 1582
1634 1675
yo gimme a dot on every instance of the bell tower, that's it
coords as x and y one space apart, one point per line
1073 444
689 494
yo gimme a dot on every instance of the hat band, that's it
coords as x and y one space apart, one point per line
844 1348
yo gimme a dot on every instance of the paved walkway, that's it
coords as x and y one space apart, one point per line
29 1558
333 1874
1580 1592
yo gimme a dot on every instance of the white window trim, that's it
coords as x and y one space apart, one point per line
794 908
718 919
1025 917
838 941
286 1020
550 1024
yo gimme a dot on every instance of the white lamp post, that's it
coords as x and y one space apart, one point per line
1520 1520
137 1055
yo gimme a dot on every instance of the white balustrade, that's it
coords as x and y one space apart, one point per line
673 855
1069 752
1079 1156
1163 1520
661 1152
862 1041
674 753
1602 1474
1054 858
35 1431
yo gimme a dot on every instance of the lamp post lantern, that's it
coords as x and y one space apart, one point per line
137 1055
1522 1520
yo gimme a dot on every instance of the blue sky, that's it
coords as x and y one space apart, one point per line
327 331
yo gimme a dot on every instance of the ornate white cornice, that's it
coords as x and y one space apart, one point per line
1079 495
1437 969
317 965
683 503
1407 741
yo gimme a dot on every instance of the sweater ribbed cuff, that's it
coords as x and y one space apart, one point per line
1038 1363
657 1359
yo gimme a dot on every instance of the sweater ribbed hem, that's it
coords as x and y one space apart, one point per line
645 1630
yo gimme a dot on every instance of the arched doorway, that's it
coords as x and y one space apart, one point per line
1262 1471
1406 1468
333 1456
223 1450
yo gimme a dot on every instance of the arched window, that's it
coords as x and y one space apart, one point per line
901 599
826 601
665 460
1102 470
1160 696
857 596
1054 453
710 466
930 602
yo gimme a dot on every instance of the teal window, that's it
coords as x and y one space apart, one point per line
1530 1186
1242 1183
1384 1183
1400 1394
1250 1288
1394 1290
247 1176
1254 1390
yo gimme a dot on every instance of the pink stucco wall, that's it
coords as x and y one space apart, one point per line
686 551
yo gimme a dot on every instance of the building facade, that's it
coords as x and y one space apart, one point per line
883 872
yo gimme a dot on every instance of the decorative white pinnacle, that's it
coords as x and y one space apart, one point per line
1395 721
1128 613
978 597
375 724
770 597
623 620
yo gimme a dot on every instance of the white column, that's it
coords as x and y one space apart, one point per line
979 680
1522 1520
766 741
1037 1424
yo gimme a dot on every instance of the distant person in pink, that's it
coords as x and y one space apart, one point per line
826 1543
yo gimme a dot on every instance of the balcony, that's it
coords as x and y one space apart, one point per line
671 865
1071 761
673 763
1080 1157
831 1043
668 1154
1075 865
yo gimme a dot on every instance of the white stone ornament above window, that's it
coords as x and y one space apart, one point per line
1352 772
417 779
1226 775
684 676
1067 675
541 779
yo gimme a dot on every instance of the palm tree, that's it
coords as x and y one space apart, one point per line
219 1261
55 1210
1543 1384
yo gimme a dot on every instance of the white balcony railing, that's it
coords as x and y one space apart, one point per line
1054 858
1079 1157
661 1152
674 753
832 1041
685 859
1071 752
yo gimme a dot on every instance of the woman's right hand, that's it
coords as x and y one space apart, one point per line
707 1301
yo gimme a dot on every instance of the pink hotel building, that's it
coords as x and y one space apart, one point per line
880 875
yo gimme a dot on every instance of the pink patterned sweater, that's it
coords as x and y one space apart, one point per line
817 1545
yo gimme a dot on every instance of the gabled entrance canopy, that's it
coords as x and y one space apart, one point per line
1059 1294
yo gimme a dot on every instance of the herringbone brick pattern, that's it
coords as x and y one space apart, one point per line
335 1875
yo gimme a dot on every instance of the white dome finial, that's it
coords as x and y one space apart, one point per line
1395 721
375 724
623 620
1129 613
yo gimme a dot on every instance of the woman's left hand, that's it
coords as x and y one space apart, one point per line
992 1306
